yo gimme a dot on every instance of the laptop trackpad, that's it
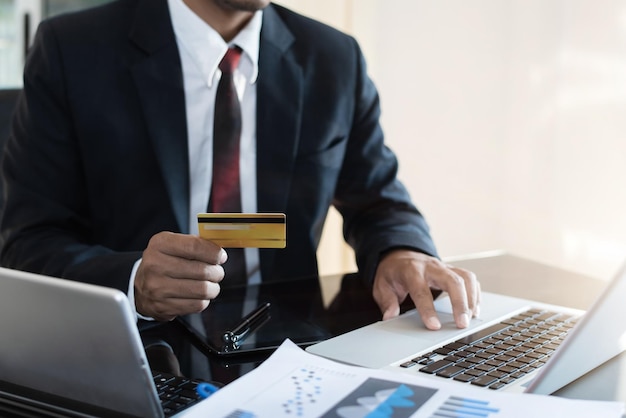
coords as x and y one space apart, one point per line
382 343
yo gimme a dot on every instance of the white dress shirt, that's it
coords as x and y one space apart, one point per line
201 49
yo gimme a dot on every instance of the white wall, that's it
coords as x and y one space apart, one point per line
509 120
566 130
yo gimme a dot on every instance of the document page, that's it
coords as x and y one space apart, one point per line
294 383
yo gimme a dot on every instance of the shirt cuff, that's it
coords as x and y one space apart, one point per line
131 292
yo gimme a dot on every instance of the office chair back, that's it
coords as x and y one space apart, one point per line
8 102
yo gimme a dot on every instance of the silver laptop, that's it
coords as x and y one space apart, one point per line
516 345
72 348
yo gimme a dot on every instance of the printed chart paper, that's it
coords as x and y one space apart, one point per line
294 383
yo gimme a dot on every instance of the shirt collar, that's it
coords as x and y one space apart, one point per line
206 46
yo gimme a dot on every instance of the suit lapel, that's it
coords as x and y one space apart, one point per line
159 81
279 109
279 112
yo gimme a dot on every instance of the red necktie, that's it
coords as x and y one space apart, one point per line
226 191
226 188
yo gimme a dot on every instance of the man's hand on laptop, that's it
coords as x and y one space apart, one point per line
179 274
403 273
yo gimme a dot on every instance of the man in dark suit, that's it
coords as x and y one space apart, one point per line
101 166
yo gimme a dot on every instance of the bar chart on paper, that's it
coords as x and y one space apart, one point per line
458 407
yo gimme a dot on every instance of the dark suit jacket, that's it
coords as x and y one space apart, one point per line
97 162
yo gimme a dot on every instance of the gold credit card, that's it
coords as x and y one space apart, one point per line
241 230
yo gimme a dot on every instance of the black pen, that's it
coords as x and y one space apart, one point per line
247 324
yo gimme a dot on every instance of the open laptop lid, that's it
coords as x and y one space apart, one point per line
75 343
599 336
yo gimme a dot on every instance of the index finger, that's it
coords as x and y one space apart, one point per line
423 301
458 298
189 247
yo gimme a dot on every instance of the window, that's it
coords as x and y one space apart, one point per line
18 23
10 54
54 7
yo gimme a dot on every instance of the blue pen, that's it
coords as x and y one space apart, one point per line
204 390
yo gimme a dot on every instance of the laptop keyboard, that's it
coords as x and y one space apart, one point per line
500 354
175 392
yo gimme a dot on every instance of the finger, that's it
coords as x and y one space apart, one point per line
162 297
479 290
472 287
158 263
423 301
194 270
436 274
178 278
392 285
455 286
386 299
190 289
188 246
